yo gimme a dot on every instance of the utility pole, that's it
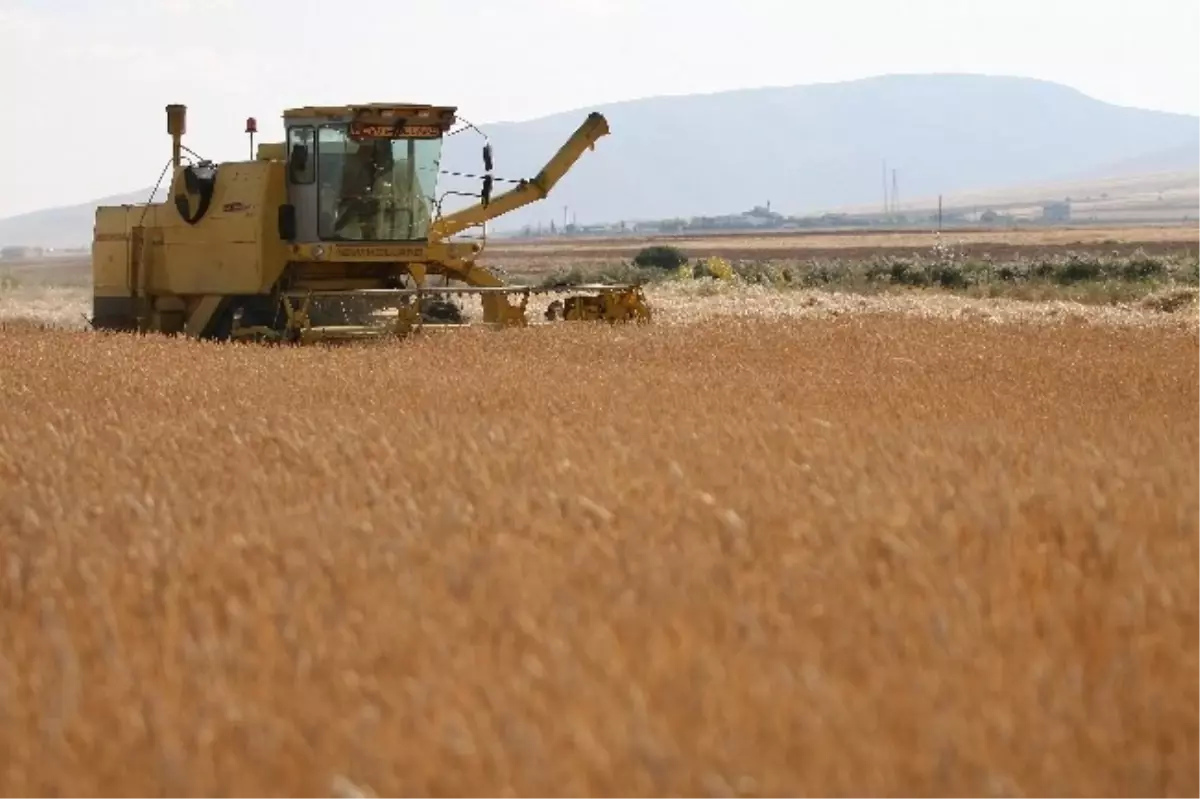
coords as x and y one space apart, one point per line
886 208
939 213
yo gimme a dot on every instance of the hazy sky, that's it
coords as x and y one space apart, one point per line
84 82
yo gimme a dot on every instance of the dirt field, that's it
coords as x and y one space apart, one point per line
64 271
535 256
854 555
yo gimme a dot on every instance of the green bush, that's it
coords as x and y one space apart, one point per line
604 273
1141 266
901 271
1078 269
660 256
948 276
816 273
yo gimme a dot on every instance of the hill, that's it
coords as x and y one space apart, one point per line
64 227
1184 158
808 149
1125 198
804 149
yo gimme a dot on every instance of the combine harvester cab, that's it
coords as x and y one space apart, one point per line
334 234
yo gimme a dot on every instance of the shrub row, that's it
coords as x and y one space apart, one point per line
942 268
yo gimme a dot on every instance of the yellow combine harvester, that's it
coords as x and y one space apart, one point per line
335 233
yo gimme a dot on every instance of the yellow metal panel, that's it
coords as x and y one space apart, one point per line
212 230
110 245
199 267
273 251
234 248
272 150
110 252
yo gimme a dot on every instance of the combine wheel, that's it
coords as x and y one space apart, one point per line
240 313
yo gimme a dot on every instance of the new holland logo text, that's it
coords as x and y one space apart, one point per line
378 251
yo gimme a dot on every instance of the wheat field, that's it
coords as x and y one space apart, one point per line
849 555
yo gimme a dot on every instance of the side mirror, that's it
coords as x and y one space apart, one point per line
487 157
486 195
287 222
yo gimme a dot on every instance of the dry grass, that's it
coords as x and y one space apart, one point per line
858 555
60 306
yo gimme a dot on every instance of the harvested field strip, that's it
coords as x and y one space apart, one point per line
1186 235
997 244
861 555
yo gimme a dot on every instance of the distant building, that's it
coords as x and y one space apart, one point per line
763 216
1056 211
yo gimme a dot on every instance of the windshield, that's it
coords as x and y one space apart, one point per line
375 189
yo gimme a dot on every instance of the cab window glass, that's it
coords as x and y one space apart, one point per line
302 156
